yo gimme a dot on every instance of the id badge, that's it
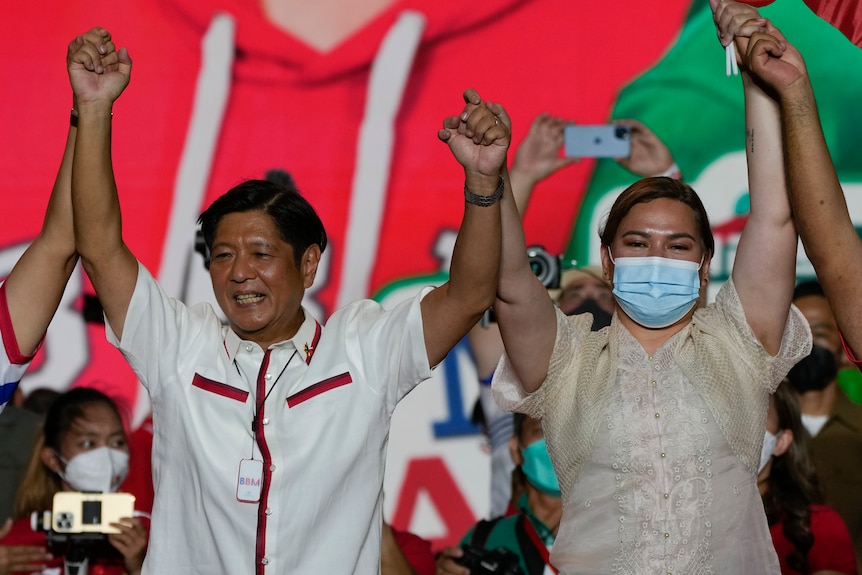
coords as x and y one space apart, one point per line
249 480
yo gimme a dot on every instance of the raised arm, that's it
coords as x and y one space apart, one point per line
98 81
820 210
36 283
479 141
525 313
537 157
764 270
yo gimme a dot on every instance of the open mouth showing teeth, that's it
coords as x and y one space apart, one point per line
246 299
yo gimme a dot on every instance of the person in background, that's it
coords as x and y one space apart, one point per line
809 537
582 289
530 532
18 430
830 418
39 400
405 553
82 447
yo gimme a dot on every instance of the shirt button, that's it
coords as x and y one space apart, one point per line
666 495
654 383
657 415
248 347
265 560
662 454
265 421
268 511
272 467
666 535
268 376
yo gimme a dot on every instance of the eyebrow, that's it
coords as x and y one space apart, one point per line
671 236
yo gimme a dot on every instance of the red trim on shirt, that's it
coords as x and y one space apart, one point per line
310 351
260 410
318 388
849 352
538 543
9 341
219 388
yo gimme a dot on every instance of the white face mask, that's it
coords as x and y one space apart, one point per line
769 442
98 470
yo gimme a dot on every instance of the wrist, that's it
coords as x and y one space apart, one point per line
672 172
96 108
483 199
480 183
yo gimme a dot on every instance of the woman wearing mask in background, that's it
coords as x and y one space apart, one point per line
82 447
810 538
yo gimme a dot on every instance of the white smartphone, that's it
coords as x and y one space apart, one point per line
602 141
76 512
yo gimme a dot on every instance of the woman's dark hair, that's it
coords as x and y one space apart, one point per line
792 484
295 219
40 483
650 189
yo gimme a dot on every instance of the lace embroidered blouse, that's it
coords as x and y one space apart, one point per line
657 456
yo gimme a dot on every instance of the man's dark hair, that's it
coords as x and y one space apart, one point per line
295 219
807 288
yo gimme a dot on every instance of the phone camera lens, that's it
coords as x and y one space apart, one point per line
621 133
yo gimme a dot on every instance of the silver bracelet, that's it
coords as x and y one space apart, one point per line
484 201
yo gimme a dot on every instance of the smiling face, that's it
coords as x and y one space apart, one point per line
659 228
664 228
256 280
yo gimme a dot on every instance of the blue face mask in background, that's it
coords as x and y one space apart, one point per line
656 292
538 468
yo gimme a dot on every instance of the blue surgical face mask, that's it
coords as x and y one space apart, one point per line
656 292
538 468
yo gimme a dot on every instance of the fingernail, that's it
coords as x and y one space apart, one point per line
464 116
102 49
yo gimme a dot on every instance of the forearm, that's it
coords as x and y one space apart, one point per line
36 283
98 222
828 234
766 254
522 188
451 310
815 191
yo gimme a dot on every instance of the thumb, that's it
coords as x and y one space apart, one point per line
124 58
7 527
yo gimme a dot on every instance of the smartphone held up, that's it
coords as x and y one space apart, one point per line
597 141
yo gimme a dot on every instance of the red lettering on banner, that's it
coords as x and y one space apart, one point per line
432 476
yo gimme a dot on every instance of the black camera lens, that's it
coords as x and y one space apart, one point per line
621 132
545 266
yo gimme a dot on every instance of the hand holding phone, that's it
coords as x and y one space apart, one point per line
597 141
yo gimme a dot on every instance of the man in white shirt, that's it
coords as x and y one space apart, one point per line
270 433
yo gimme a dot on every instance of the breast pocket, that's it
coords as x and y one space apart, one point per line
219 388
319 388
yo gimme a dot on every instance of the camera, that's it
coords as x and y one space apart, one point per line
79 523
499 561
546 266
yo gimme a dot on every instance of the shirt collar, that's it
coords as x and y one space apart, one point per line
305 340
